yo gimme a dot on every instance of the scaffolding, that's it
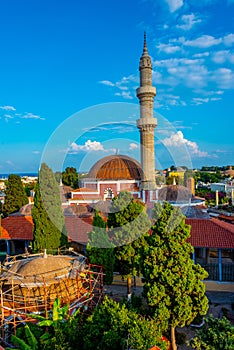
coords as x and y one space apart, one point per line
25 290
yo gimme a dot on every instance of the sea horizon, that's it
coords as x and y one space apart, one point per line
6 175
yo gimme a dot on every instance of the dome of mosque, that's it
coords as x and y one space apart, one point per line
175 193
38 267
116 167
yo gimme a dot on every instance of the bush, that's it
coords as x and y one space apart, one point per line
217 334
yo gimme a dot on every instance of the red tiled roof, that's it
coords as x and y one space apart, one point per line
21 227
211 233
77 228
86 196
84 189
17 227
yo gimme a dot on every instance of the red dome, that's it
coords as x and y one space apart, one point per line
116 167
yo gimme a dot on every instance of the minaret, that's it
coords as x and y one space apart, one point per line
147 123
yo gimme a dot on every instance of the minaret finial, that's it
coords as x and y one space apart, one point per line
145 45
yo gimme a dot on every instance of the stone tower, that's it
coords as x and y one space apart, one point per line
147 123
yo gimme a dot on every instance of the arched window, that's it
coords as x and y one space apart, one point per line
108 194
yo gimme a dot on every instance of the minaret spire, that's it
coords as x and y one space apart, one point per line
145 50
146 123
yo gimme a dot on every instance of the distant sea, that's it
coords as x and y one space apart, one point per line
5 176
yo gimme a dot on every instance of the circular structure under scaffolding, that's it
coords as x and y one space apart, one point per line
31 283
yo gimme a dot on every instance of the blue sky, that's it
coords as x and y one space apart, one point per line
60 58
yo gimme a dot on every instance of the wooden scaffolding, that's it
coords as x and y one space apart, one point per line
77 284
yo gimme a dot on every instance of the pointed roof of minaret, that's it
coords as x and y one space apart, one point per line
145 60
145 50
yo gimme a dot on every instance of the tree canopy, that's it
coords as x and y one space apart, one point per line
16 196
48 219
217 334
128 225
70 177
112 326
173 284
100 250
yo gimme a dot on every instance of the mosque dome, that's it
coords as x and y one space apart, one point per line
36 267
116 167
175 193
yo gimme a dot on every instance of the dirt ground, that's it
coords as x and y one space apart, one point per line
217 301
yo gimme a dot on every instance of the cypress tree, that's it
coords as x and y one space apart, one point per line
173 285
16 196
49 224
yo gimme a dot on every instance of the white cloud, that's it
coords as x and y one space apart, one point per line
202 42
224 78
8 108
200 100
124 94
228 39
124 85
8 116
31 116
177 124
168 48
174 62
192 76
223 56
188 21
106 82
201 54
177 140
170 99
88 146
215 98
174 4
133 146
36 152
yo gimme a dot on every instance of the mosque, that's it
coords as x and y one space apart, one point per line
116 173
212 238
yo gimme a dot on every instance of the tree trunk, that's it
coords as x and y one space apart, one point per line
173 339
129 285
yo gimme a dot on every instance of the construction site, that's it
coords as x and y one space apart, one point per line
30 283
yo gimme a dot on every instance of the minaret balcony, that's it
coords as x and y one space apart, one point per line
146 90
150 122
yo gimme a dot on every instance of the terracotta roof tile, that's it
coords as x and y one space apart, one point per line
78 228
17 227
211 233
21 227
84 189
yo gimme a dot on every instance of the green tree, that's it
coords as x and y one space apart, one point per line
49 225
70 177
173 285
100 250
112 326
59 331
128 225
16 197
217 334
